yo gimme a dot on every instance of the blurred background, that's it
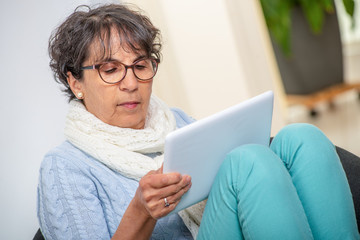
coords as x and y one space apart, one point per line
216 53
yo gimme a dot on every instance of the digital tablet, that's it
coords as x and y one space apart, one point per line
198 149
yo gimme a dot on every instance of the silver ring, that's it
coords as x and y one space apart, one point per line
166 202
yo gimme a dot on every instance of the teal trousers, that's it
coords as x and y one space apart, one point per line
296 189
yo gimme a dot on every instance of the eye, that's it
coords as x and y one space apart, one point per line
143 65
109 68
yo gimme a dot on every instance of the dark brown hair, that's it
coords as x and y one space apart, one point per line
69 44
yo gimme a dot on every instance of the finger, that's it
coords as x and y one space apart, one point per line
164 211
173 202
172 193
175 188
161 209
152 172
159 170
177 196
163 180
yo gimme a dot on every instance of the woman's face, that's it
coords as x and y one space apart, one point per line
124 104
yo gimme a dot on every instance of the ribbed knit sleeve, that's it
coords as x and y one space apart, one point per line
68 202
182 119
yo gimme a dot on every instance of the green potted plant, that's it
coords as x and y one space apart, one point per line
306 40
278 16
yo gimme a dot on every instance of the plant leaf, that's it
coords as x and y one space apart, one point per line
277 16
314 14
349 7
328 5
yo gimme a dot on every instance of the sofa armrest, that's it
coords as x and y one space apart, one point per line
351 165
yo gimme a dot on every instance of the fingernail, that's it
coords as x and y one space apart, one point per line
187 179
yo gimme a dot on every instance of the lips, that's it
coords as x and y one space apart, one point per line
129 105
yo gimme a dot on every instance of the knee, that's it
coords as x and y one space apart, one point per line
244 158
303 139
302 133
300 129
256 162
247 153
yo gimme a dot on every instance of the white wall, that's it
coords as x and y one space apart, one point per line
32 108
216 53
348 34
351 42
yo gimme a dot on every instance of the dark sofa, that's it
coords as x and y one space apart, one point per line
351 165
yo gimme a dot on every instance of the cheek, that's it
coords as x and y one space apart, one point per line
146 93
149 88
98 98
95 95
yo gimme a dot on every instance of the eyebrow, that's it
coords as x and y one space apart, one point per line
110 59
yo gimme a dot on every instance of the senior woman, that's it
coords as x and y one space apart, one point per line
105 181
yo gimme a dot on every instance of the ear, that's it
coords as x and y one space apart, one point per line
75 86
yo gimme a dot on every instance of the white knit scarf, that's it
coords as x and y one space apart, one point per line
123 149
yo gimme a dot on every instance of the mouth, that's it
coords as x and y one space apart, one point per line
129 105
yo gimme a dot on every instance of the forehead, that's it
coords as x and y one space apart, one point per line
109 45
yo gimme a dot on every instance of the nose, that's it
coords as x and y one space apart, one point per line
130 82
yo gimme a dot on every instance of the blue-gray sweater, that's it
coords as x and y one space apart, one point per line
81 198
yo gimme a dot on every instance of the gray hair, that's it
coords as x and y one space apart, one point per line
69 44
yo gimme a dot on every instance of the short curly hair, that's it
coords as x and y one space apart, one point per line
69 44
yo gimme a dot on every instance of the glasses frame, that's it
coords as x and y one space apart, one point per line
98 66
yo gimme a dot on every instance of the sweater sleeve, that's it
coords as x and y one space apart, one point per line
68 203
182 119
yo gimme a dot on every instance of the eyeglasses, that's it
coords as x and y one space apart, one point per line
113 71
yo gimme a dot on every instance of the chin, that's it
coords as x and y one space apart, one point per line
138 124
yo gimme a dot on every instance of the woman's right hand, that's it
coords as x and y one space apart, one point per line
148 204
155 186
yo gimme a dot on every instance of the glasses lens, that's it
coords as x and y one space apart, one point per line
112 72
145 69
